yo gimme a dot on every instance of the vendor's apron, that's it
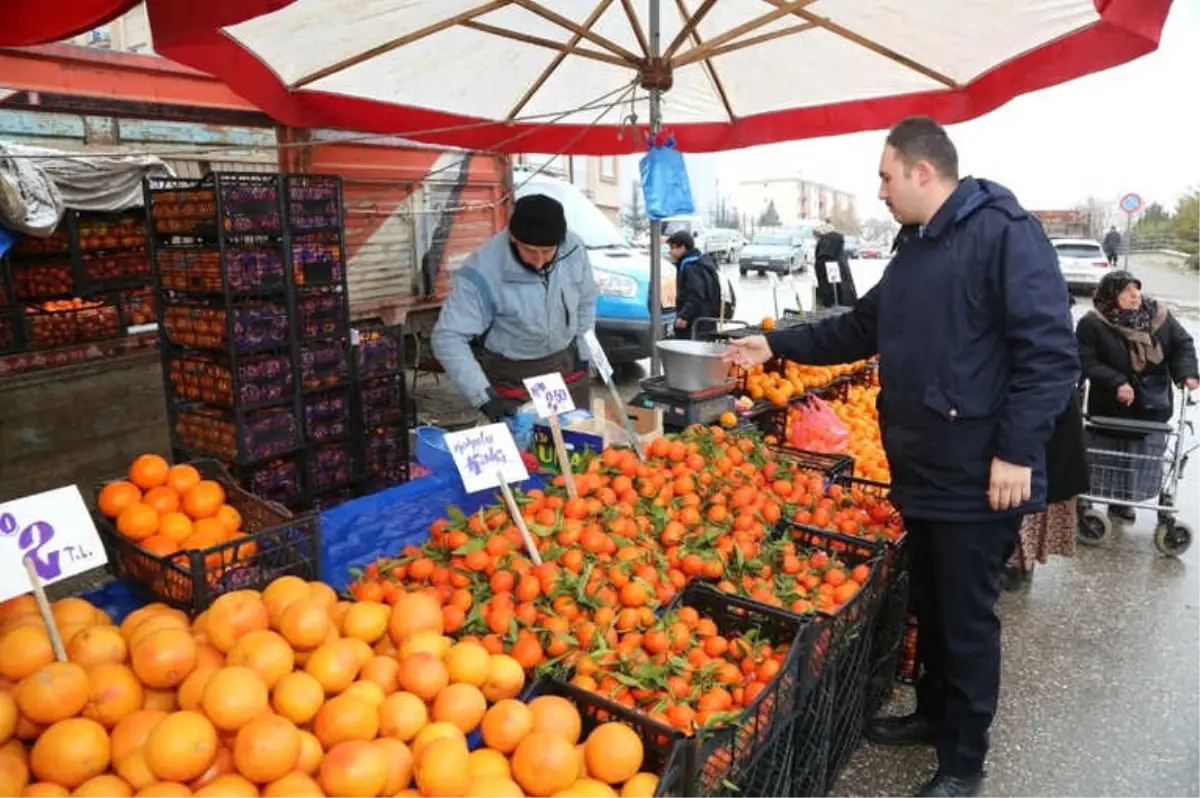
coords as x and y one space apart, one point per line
506 375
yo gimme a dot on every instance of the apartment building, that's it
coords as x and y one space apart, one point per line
795 199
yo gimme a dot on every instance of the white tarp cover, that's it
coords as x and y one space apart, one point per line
38 183
744 71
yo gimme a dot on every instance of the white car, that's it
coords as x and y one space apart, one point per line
1082 262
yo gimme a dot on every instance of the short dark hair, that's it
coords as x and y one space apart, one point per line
919 138
681 238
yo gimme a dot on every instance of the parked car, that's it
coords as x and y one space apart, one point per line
871 252
782 253
724 245
622 273
1082 262
850 243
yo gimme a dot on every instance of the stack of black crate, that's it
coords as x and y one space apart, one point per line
383 413
332 458
227 319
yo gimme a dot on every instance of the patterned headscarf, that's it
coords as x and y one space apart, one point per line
1137 325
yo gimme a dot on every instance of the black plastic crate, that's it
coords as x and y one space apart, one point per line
383 401
218 204
44 278
832 466
243 327
666 754
136 306
330 467
49 326
724 754
246 266
380 351
236 436
278 480
313 202
318 259
256 381
324 364
327 415
276 544
810 744
12 333
385 456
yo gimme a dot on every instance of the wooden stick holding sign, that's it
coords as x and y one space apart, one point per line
486 458
600 361
45 538
551 398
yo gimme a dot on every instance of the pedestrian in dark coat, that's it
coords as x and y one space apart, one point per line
698 284
830 253
977 359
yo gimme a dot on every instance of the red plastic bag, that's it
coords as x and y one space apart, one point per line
816 428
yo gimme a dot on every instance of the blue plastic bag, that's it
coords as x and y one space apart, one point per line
665 185
520 424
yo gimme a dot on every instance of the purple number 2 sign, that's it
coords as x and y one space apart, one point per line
33 541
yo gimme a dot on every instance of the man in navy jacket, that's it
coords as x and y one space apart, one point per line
972 324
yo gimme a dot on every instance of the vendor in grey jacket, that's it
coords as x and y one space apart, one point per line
518 308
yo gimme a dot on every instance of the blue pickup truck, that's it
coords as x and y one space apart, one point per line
622 272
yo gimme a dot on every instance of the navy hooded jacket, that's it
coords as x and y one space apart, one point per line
972 324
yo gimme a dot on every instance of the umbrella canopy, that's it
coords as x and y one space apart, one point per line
26 22
567 75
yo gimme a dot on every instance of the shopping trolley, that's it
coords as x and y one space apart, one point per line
1140 469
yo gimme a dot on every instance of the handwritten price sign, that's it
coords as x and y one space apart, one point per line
485 455
549 394
599 356
55 531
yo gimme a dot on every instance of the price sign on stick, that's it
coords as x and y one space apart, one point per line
487 457
606 371
599 356
833 272
54 531
550 397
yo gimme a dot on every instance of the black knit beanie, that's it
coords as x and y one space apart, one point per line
538 220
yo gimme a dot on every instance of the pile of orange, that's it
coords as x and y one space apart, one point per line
779 387
166 508
286 692
859 414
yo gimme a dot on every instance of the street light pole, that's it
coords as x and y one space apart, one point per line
656 225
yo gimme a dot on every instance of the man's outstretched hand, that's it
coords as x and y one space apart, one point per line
1010 485
750 351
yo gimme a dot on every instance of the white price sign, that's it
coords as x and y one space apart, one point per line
833 272
486 455
55 531
550 395
599 357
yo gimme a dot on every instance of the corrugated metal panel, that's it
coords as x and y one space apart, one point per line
379 220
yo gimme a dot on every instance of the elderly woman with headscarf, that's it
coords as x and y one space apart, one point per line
1132 351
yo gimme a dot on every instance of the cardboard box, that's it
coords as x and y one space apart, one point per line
584 432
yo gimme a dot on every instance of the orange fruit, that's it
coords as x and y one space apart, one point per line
345 717
400 764
366 621
264 652
493 787
423 675
488 762
281 594
164 789
160 545
227 785
432 733
40 789
402 715
557 715
322 593
222 763
297 696
366 691
165 700
304 623
149 471
506 678
425 641
383 671
208 657
138 521
96 645
294 785
70 752
181 747
132 731
168 619
203 499
54 692
640 785
191 691
162 499
362 650
233 615
207 529
443 770
116 496
415 612
229 518
545 763
233 697
182 478
469 663
176 526
588 788
9 715
106 785
133 769
334 664
506 724
266 749
114 693
460 704
163 658
73 611
614 753
23 650
14 775
353 768
311 753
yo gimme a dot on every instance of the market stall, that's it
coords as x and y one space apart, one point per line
717 618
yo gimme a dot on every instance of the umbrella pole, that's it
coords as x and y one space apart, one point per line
656 225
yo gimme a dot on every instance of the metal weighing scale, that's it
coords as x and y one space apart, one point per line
681 409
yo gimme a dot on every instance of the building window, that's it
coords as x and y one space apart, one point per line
608 168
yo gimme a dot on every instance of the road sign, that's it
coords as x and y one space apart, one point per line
1131 203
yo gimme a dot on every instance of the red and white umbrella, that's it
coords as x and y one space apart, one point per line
530 76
